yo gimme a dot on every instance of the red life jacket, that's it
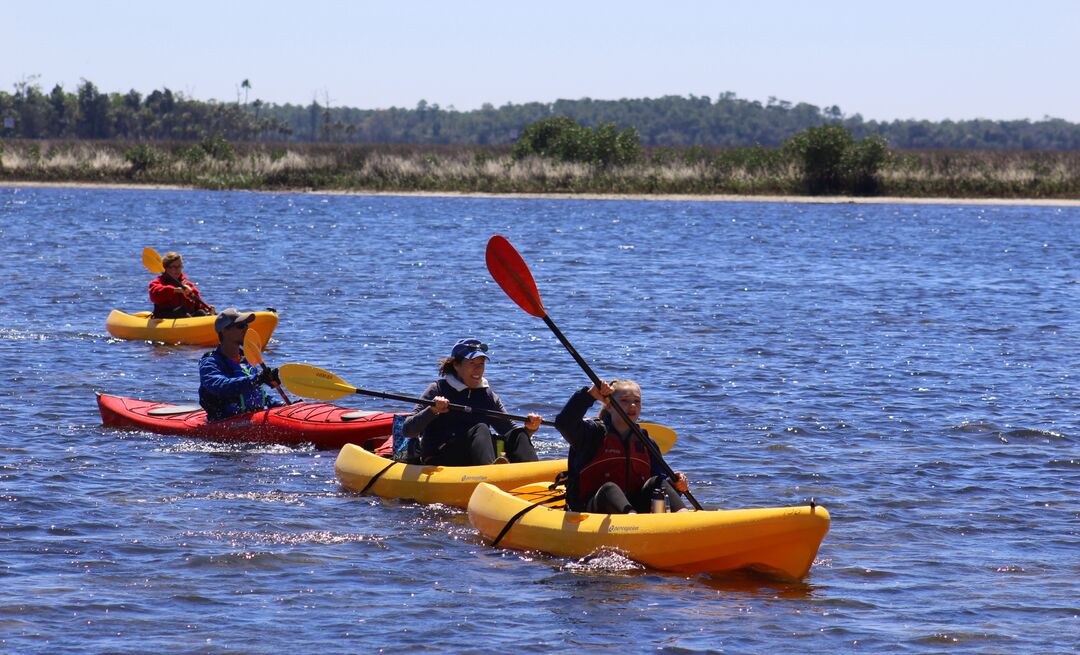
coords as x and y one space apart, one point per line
613 462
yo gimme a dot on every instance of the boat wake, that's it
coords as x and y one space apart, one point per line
604 561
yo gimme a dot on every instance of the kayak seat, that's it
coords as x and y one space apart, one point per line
358 414
171 410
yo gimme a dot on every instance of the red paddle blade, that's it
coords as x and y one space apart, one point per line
510 271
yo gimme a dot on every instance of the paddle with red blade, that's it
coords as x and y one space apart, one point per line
513 275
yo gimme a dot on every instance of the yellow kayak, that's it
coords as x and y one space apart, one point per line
198 330
781 541
449 485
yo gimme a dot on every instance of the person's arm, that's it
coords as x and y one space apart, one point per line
164 294
422 415
222 383
187 296
194 296
571 420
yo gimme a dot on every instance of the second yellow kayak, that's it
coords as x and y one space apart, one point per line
450 485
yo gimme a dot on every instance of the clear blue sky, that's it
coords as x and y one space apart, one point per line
913 59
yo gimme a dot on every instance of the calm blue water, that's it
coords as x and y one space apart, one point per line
913 368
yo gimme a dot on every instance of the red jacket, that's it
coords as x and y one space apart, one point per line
166 294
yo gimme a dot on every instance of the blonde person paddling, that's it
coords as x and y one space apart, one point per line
610 470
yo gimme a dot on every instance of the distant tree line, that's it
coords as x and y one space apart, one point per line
29 113
671 121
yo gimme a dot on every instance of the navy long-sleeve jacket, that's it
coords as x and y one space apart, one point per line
227 388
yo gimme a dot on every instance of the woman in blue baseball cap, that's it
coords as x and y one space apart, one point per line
464 438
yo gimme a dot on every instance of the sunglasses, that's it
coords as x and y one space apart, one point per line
238 326
473 347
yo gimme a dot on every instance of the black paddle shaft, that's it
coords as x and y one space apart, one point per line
618 408
453 406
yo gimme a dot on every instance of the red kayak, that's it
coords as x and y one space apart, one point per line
322 424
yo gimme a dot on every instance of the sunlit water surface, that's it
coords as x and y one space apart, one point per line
912 368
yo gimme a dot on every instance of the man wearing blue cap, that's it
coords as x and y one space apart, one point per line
466 438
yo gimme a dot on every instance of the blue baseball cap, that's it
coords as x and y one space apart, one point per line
470 349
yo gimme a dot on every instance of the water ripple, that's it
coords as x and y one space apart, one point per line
872 358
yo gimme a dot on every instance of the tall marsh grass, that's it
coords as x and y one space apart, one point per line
997 174
695 170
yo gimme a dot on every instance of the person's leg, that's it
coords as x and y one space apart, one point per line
609 499
674 499
643 499
175 312
480 445
452 453
518 445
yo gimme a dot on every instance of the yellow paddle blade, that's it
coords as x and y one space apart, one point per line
663 435
152 261
313 382
253 345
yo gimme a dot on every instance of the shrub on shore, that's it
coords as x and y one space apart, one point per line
561 138
833 162
142 158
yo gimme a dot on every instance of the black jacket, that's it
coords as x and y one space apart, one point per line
436 430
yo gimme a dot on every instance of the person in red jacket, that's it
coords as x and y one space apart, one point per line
174 295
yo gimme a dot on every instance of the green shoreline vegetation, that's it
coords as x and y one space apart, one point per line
566 147
216 164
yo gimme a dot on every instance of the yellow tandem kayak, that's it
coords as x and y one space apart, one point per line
450 485
198 330
781 541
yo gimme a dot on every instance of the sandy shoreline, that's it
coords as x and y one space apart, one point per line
844 200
